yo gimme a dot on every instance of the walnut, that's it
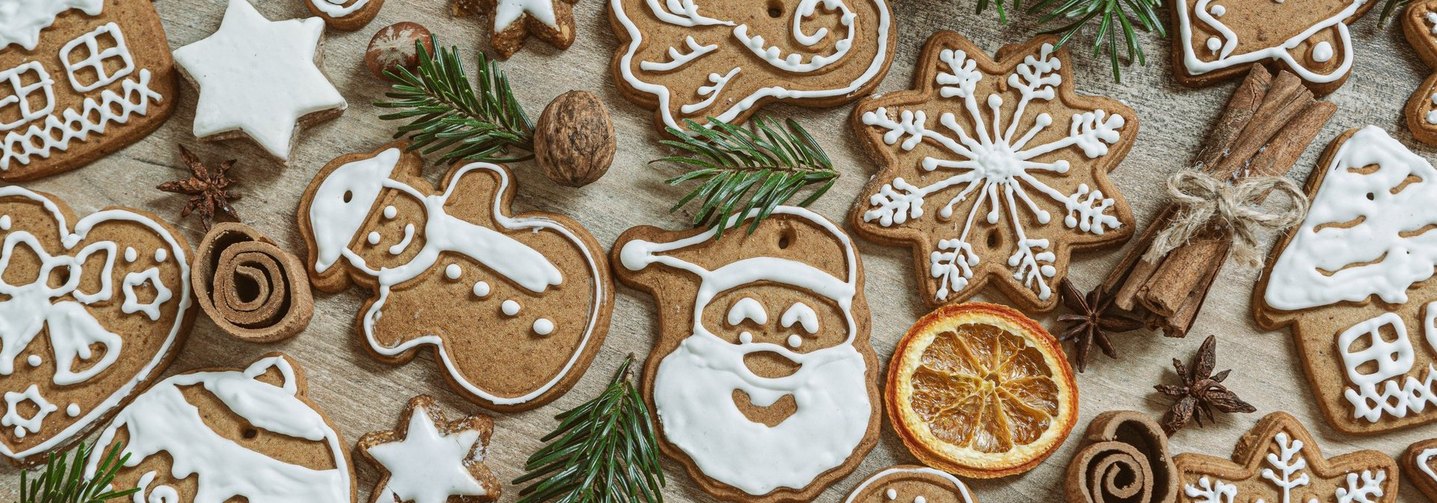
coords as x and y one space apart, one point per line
574 139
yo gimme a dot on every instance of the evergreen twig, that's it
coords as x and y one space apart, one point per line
447 115
1390 7
746 169
602 451
63 481
1113 17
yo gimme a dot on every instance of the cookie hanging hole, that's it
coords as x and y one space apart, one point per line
786 238
348 196
775 9
994 238
249 433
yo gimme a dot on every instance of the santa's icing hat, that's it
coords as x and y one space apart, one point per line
796 259
342 204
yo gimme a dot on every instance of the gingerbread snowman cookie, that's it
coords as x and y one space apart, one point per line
1218 39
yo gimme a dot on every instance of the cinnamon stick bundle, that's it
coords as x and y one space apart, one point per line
1267 124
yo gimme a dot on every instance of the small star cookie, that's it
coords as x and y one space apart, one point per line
514 20
428 460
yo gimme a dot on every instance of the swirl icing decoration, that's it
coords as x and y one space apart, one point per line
252 289
1125 460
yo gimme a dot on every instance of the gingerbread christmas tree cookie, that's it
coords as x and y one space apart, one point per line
427 459
1218 39
79 79
727 59
993 171
514 305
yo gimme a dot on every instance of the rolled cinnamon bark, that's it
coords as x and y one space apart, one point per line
252 289
1125 461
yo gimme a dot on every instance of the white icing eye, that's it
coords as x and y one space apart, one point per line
373 238
131 255
803 315
161 255
390 212
747 309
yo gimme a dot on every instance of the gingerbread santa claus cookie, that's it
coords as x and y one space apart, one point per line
513 305
762 378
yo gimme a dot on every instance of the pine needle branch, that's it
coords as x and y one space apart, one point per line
1113 17
447 116
63 481
1390 7
739 170
603 451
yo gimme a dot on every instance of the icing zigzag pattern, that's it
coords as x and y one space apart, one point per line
94 117
1413 395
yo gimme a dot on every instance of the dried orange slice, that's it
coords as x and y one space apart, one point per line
980 390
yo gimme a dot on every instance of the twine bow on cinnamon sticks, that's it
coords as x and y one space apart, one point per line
1236 210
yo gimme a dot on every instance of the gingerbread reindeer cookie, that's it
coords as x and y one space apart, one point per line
762 377
91 311
725 59
514 306
1218 39
1419 23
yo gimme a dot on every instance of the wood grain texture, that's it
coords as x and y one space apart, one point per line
362 395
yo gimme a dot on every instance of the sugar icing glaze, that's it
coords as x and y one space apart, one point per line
427 466
343 203
1227 57
686 13
162 420
507 12
337 8
21 21
71 330
694 384
1285 470
959 488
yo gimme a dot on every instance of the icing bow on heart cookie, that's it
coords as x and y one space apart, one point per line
1218 39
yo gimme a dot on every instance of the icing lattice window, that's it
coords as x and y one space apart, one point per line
103 46
20 89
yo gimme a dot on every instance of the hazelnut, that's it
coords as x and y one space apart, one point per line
574 139
393 47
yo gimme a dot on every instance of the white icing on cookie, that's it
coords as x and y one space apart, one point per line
427 466
21 21
543 326
510 308
337 8
1228 55
959 488
747 309
507 12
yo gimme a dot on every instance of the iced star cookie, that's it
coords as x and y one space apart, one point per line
91 311
347 15
513 21
426 459
1279 461
514 305
1218 39
259 79
762 378
79 79
230 435
911 483
726 59
993 171
1352 284
1419 23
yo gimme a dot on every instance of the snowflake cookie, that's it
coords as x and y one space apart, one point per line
1353 284
515 20
1218 39
1278 461
1419 23
426 459
993 170
79 79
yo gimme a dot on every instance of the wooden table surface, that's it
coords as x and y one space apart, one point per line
362 395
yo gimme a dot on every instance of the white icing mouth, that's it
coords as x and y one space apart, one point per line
794 62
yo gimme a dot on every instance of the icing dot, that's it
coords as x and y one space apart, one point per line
745 337
390 212
373 238
891 494
73 410
1322 52
161 255
920 499
453 272
131 255
1213 44
5 223
543 326
481 289
33 360
794 340
509 307
1218 10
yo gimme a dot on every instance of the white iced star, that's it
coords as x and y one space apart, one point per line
509 11
427 466
258 77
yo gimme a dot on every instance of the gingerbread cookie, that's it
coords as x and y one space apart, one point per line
1218 39
1014 193
1125 460
762 379
919 484
1419 464
515 20
515 306
259 79
91 311
731 58
347 15
1278 461
226 435
72 89
1351 283
250 287
1420 26
426 459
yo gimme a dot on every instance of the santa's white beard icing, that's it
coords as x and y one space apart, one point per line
693 394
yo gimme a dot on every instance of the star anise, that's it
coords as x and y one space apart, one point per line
208 189
1201 391
1092 319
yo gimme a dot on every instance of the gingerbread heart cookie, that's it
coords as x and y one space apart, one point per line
79 79
1278 461
726 59
1352 285
762 378
1419 24
227 435
1009 192
911 483
91 311
1218 39
515 306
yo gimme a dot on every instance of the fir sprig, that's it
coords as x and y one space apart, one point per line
447 115
746 169
603 451
58 483
1390 7
1113 17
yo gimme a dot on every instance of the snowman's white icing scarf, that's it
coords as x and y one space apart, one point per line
1325 263
343 202
71 328
686 13
1278 52
162 420
959 488
21 21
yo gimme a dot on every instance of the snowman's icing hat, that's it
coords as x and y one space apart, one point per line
343 202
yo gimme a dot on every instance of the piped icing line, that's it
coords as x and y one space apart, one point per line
958 486
72 237
337 9
23 20
507 12
75 124
1279 52
679 59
